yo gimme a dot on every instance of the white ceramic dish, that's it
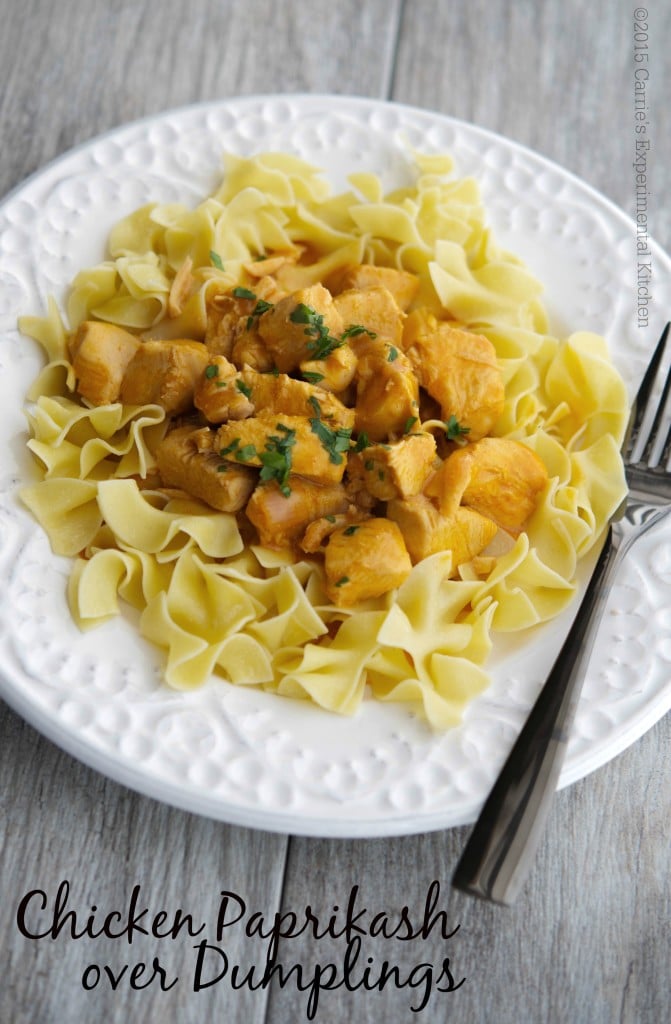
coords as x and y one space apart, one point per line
240 755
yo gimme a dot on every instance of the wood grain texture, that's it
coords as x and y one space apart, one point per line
588 942
87 67
63 821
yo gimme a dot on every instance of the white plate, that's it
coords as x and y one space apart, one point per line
244 756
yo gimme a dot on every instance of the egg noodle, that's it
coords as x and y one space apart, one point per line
257 616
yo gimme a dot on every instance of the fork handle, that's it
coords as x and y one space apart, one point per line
501 847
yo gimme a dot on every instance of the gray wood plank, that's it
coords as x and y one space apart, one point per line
92 66
63 822
586 943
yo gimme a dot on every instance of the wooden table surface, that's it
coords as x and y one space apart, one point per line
588 941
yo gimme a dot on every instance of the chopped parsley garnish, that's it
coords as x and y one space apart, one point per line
216 260
211 371
244 388
369 465
330 519
260 308
454 431
230 448
355 330
409 424
349 531
362 442
335 442
342 581
246 453
322 344
312 378
276 459
393 354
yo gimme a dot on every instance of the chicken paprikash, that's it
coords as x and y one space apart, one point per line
341 421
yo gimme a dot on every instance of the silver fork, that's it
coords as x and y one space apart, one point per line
501 847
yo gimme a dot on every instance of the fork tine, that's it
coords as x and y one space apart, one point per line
666 447
648 454
640 404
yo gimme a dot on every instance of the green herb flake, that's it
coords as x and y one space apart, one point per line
246 453
302 314
355 330
230 448
454 431
342 581
312 378
243 293
369 465
244 388
330 519
362 442
349 531
322 343
409 424
392 355
260 308
223 468
211 371
335 442
216 260
276 459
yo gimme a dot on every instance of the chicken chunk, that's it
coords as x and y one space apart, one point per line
335 373
302 326
365 560
226 318
402 284
164 373
249 350
426 530
387 391
308 447
458 369
220 392
280 519
184 461
100 356
319 530
278 393
395 470
374 308
498 477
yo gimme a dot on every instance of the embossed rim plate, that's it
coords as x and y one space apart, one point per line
247 757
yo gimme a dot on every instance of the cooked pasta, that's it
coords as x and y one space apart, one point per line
324 443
